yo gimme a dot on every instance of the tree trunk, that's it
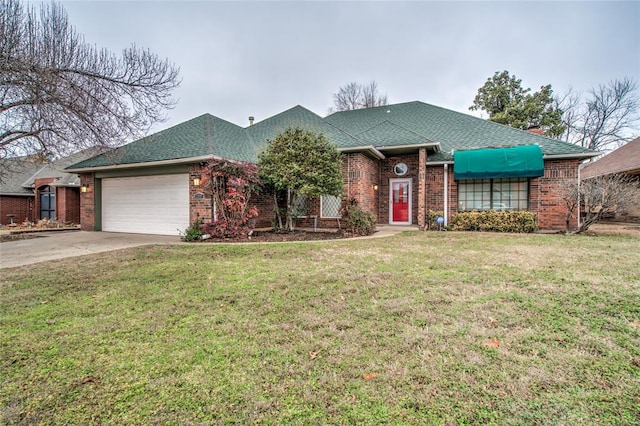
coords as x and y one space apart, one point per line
277 207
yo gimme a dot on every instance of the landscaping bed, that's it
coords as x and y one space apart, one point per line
265 236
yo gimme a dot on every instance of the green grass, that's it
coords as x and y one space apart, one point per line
421 328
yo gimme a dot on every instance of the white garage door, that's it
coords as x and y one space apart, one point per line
146 204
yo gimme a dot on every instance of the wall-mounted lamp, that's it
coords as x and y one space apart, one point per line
375 187
84 187
196 181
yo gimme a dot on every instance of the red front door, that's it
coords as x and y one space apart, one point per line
400 199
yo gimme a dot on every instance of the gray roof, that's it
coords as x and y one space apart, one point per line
14 172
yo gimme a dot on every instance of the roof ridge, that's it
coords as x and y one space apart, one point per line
396 125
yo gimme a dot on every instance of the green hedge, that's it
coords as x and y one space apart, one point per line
496 221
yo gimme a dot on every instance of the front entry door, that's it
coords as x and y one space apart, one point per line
400 202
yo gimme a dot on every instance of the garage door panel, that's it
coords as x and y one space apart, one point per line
146 204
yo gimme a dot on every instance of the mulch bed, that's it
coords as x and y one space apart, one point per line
273 236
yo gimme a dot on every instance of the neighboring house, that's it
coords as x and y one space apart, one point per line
624 160
34 190
16 200
400 161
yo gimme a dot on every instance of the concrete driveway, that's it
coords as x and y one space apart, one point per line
59 245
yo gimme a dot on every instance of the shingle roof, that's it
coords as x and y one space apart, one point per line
451 129
14 172
299 116
202 136
624 159
411 123
56 168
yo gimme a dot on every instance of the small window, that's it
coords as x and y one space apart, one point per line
330 206
400 169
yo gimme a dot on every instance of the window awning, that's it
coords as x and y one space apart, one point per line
517 161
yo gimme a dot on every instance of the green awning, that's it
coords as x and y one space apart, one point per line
517 161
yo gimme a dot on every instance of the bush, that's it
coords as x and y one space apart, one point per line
194 232
357 221
432 215
495 221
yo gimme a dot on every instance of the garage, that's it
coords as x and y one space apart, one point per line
146 204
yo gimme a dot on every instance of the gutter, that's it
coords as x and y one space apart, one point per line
563 156
141 165
369 148
419 145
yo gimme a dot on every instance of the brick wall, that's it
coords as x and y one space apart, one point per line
20 206
87 202
200 204
361 174
544 194
68 204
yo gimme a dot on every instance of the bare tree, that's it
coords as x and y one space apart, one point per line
356 96
608 117
59 94
598 197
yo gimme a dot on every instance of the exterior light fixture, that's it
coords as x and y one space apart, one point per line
84 187
375 187
196 181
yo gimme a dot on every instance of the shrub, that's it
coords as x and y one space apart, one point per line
432 215
357 221
496 221
193 233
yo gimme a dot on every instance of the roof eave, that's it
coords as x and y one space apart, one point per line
435 145
368 148
583 155
141 165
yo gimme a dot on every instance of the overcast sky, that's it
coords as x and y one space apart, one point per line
261 58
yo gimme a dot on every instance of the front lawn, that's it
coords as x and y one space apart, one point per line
421 328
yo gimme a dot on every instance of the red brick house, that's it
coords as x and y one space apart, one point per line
624 160
31 190
400 161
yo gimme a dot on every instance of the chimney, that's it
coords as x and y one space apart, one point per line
536 130
251 118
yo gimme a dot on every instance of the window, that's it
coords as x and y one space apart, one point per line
300 206
330 206
493 194
47 203
400 169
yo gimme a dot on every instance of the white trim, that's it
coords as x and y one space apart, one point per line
391 182
437 163
562 156
321 209
418 145
369 148
446 194
148 164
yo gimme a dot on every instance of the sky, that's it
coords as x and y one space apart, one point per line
241 58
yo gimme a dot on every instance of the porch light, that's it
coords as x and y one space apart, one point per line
375 187
84 187
196 181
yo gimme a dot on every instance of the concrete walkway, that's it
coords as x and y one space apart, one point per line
60 245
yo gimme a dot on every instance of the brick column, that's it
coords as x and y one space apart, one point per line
422 187
87 202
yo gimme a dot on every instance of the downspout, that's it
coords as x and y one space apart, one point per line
446 194
579 189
